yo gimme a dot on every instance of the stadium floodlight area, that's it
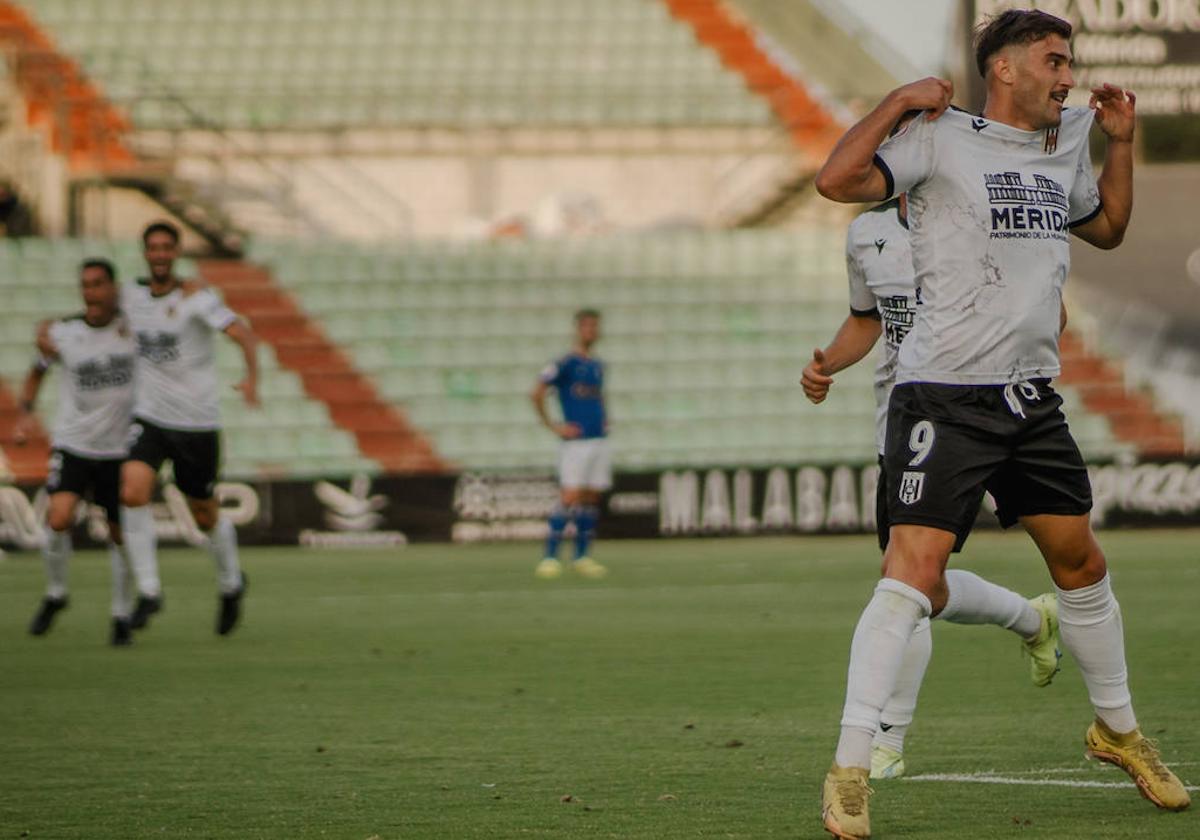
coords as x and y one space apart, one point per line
705 337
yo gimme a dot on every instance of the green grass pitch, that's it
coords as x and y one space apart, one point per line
443 692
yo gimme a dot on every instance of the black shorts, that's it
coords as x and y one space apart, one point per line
97 478
883 521
946 444
195 456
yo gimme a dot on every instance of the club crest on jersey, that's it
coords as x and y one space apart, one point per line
1050 143
912 484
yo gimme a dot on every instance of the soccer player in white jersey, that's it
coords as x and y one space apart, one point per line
177 418
991 200
883 301
89 440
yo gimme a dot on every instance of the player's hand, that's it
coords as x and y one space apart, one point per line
1115 111
568 431
45 344
24 428
929 94
248 388
814 379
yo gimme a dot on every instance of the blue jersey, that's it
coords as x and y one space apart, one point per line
579 381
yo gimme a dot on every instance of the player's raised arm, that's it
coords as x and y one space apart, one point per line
244 338
850 174
853 341
30 388
1115 114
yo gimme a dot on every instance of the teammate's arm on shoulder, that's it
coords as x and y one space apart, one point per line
850 174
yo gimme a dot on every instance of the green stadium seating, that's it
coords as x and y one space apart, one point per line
332 63
705 336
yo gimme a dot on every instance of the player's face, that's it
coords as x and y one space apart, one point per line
1042 79
99 293
588 330
161 251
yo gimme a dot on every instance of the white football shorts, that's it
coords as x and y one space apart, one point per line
585 464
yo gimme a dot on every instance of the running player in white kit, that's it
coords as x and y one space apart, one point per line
177 418
883 301
992 198
89 441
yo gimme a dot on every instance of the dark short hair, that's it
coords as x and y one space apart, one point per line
160 227
1016 26
586 313
102 264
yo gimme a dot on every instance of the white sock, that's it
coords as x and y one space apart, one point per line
876 655
1090 621
898 713
122 582
141 545
55 554
974 600
222 542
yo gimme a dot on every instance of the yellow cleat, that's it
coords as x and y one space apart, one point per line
589 568
844 803
886 763
1044 648
1138 756
548 569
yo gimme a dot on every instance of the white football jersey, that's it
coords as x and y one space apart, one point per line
989 207
95 390
176 368
879 267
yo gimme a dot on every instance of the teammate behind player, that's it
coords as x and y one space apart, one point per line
883 301
585 461
177 418
991 201
89 440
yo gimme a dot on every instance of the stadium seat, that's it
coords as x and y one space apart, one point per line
323 64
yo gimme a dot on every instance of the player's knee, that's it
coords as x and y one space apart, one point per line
1092 564
205 512
1082 557
133 495
921 567
59 519
206 519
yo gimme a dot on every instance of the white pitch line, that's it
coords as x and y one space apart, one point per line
1045 771
978 779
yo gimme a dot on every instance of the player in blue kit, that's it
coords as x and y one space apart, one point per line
585 461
